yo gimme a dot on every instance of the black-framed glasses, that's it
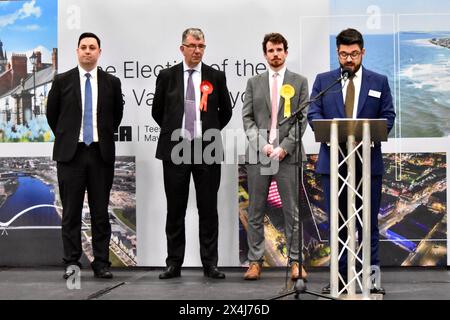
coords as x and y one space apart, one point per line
195 46
353 55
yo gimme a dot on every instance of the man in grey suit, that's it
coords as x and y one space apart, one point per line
269 98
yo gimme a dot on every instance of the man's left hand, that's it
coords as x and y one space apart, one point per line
278 154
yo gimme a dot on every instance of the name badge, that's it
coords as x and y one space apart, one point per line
375 94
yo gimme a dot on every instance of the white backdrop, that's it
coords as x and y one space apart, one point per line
148 34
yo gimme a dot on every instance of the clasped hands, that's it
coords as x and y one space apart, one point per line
277 153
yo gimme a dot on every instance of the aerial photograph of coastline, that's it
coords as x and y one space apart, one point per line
30 214
411 46
425 83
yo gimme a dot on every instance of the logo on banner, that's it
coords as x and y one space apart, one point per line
124 134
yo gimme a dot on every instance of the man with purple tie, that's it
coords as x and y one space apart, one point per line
191 100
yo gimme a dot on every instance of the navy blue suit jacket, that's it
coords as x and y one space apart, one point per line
331 105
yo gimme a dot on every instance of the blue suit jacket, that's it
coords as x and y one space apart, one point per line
331 105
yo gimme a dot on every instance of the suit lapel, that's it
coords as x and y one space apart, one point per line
265 87
364 91
339 96
206 75
77 91
179 83
287 80
101 90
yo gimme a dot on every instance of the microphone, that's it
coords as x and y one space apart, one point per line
346 73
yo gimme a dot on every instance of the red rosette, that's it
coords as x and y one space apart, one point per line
205 88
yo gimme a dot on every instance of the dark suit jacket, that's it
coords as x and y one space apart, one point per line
64 113
331 105
168 105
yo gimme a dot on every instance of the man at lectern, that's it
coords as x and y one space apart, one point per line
365 94
191 105
271 97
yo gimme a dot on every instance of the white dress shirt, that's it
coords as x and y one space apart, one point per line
280 79
94 87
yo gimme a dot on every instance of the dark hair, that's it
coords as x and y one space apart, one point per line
349 37
88 35
274 38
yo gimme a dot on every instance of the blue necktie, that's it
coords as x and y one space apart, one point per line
189 106
87 118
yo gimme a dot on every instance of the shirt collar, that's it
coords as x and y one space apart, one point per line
281 72
358 73
83 72
198 67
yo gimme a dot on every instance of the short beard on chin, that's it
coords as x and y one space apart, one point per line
276 64
355 67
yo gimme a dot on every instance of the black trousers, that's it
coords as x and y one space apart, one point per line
176 185
86 171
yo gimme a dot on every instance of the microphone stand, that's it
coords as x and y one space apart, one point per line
307 103
297 116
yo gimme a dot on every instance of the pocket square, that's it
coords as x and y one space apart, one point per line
374 93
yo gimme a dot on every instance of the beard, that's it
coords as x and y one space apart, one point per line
276 63
351 65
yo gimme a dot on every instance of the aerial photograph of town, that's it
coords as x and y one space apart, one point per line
412 217
30 214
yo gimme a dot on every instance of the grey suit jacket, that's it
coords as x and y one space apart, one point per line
256 115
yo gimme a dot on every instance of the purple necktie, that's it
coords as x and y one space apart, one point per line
189 106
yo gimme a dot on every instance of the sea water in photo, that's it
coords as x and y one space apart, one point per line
424 84
423 63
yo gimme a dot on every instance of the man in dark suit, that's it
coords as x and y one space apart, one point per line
181 92
84 109
264 107
365 95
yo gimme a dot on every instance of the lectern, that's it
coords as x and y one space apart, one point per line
358 134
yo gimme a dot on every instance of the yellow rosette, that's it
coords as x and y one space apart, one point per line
287 92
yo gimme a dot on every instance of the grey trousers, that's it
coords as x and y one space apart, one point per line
258 189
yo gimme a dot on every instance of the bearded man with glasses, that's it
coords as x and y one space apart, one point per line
365 94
